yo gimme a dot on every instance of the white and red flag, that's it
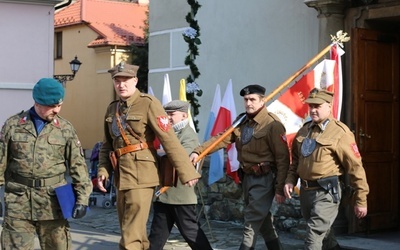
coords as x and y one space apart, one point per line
226 115
216 170
290 106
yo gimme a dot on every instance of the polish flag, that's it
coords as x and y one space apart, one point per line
226 115
216 171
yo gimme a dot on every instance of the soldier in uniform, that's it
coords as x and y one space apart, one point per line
264 161
131 124
323 151
178 204
37 148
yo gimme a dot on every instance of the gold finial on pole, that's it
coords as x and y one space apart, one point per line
340 38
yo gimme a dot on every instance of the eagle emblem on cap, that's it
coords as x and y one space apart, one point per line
121 66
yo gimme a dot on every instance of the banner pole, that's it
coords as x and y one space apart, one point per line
338 39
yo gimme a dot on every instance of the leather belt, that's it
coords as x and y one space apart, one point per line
37 182
309 184
131 148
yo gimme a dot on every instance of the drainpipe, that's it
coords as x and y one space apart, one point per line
63 5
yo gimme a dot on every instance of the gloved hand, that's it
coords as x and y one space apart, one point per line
79 211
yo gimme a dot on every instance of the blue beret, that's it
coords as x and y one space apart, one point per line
252 89
48 92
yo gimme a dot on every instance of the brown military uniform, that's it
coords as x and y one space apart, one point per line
335 154
266 144
137 174
31 166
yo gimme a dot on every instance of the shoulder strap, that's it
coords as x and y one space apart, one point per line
121 130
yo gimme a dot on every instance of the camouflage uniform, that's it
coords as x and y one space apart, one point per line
39 162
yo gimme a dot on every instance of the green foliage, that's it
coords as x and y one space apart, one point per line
191 37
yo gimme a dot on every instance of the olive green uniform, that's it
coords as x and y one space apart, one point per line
335 154
31 166
267 144
137 174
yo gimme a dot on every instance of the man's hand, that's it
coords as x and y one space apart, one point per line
193 158
100 183
288 189
79 211
360 212
191 183
279 198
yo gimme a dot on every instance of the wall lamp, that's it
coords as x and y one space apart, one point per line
74 64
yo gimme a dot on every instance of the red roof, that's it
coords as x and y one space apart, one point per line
117 23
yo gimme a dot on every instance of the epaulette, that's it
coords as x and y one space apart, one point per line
342 125
274 116
147 95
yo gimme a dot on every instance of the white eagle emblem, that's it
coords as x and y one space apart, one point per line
163 123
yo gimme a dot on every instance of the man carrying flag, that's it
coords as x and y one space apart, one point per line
264 161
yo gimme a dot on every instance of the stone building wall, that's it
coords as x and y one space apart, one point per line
223 201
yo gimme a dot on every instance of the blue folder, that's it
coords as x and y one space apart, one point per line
66 199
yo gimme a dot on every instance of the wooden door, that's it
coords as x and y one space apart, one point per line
375 81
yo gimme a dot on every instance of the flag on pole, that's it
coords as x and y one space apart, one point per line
290 106
167 97
216 170
226 115
182 97
337 87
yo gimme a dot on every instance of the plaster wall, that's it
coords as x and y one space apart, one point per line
259 41
88 95
27 52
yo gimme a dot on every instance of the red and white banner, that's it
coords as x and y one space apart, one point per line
290 106
226 115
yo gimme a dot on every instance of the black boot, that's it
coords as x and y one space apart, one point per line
274 244
243 247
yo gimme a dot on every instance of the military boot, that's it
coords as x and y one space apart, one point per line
274 244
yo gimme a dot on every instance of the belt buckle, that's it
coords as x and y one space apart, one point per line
305 183
37 183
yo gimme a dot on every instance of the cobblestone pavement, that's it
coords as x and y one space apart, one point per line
99 230
222 235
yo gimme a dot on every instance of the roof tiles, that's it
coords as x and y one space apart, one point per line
117 23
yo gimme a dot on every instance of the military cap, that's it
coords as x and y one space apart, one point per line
319 96
177 105
124 69
252 89
48 92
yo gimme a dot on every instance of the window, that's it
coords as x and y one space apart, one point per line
58 45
